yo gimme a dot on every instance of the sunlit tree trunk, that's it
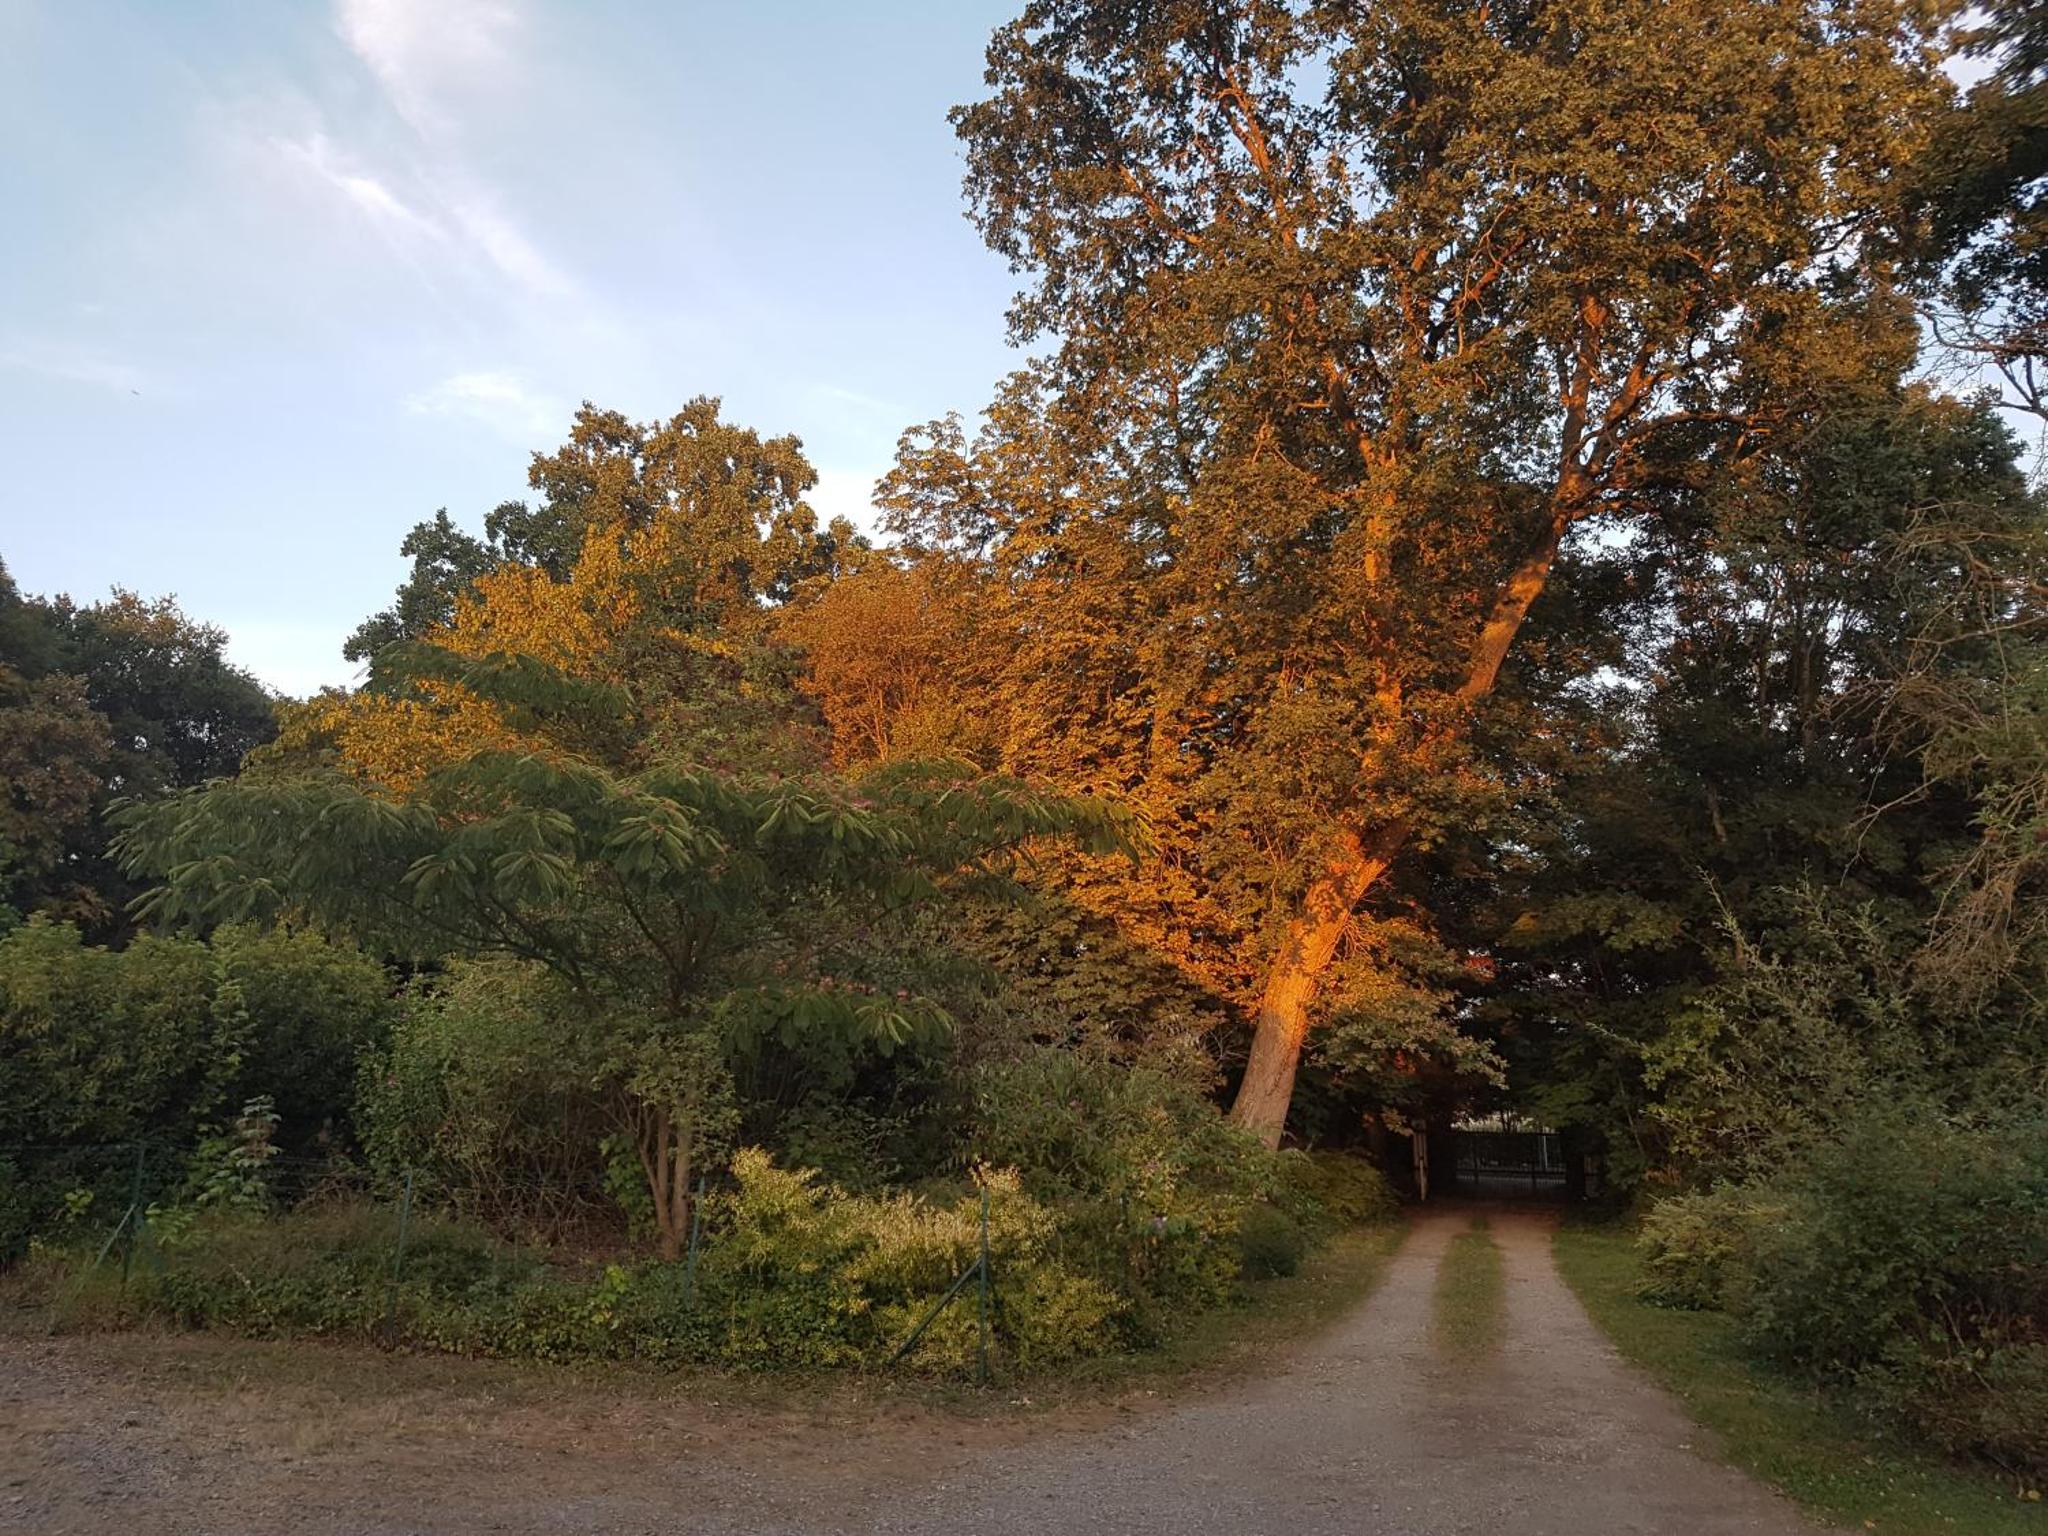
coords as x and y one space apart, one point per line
1280 1028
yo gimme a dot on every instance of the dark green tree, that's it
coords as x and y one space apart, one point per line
119 699
1983 193
692 913
446 563
1772 804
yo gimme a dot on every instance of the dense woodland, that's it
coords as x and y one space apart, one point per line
1510 580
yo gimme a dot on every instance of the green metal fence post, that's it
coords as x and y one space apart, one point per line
959 1284
113 1237
984 1298
1130 1255
398 1253
133 1218
690 1257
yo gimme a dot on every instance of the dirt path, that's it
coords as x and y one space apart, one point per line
1362 1431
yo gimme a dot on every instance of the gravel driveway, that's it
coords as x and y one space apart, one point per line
1362 1431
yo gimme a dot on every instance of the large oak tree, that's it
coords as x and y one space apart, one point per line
1366 324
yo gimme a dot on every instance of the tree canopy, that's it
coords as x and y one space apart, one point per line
119 699
1370 326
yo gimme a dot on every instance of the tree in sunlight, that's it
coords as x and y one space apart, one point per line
1372 330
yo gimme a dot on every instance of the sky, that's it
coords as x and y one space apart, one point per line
279 278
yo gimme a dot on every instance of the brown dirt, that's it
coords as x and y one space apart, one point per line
1360 1431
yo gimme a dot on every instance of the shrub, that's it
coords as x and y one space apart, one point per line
147 1042
1695 1250
849 1143
100 1045
485 1089
1153 1186
1075 1126
1912 1262
311 1009
227 1170
323 1272
1270 1243
807 1274
1346 1190
540 1111
794 1273
1050 1316
103 1049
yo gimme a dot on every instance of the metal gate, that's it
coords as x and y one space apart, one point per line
1506 1163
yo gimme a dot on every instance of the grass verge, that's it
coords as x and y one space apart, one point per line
1815 1452
1276 1314
1465 1314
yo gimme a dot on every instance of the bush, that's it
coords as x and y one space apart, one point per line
1122 1202
485 1090
1075 1126
1696 1249
102 1046
103 1049
1153 1186
793 1273
326 1272
312 1008
1911 1261
807 1274
1050 1316
544 1112
1270 1243
147 1042
1347 1190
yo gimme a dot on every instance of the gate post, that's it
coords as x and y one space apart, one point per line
1571 1147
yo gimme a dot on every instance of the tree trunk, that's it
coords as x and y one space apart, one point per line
1281 1027
1268 1086
1311 944
667 1146
650 1140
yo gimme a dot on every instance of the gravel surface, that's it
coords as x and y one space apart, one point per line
1361 1431
1368 1432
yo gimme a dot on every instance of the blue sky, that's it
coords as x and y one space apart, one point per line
281 277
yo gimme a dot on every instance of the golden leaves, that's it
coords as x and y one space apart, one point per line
578 625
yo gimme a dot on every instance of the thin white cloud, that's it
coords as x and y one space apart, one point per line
839 394
74 365
509 250
377 200
502 401
439 63
318 155
423 52
467 223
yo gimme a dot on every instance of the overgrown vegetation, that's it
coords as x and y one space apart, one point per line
677 1046
784 1269
1906 1260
